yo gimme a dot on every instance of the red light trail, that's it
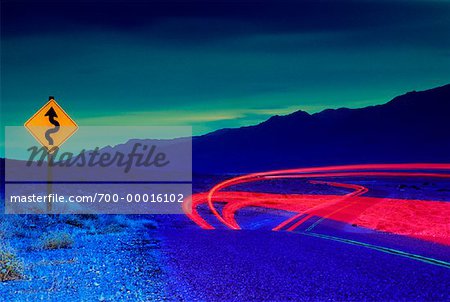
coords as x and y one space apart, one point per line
422 219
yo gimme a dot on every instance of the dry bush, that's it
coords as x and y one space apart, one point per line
11 267
56 240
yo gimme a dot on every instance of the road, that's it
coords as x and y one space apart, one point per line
253 265
291 246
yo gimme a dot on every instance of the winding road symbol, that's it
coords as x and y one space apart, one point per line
51 113
51 126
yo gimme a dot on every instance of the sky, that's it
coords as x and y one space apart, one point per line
215 64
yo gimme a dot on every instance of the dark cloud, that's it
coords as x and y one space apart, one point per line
214 19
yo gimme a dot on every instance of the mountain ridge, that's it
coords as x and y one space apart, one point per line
410 127
332 110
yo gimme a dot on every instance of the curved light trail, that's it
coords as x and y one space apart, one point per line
349 208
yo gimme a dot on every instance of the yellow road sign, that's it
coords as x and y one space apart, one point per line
51 125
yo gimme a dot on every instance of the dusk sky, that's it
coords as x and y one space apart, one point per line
214 64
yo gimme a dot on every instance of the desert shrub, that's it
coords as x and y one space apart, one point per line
150 224
56 240
75 221
111 224
11 267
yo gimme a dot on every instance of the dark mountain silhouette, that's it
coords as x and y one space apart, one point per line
414 127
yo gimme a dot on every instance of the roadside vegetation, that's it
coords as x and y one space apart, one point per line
40 233
56 240
11 267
